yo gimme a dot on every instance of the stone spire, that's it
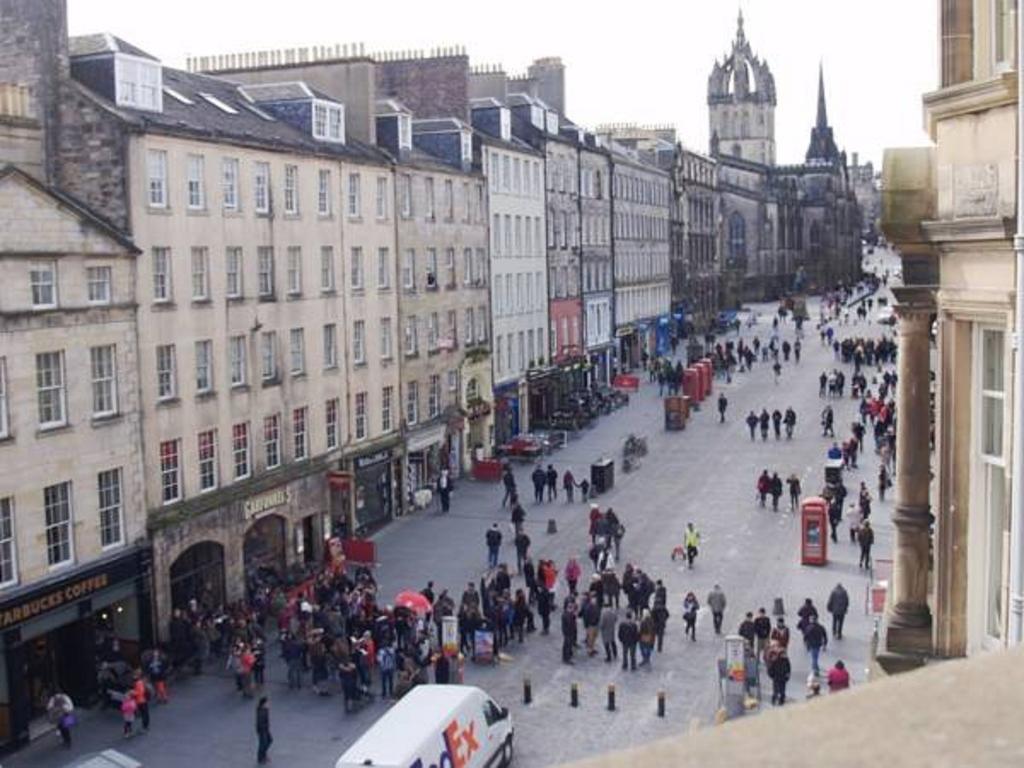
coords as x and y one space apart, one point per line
822 121
739 28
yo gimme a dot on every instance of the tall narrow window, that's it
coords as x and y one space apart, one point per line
383 269
324 204
360 415
162 274
166 372
196 183
207 452
405 192
297 345
356 272
291 190
387 397
8 546
104 380
233 272
5 424
385 338
354 196
229 183
409 270
99 280
434 396
429 198
268 355
330 346
411 342
200 274
43 279
156 168
412 402
50 390
261 187
432 331
170 471
449 267
240 449
265 262
237 353
204 367
272 441
300 439
57 509
331 423
359 342
294 270
382 197
327 268
109 492
449 200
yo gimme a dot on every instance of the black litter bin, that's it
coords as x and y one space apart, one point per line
602 475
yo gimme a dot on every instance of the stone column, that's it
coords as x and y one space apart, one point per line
909 620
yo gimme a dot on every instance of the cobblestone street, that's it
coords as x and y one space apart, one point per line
705 474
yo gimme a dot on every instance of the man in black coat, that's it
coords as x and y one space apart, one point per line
552 480
747 629
838 605
540 479
629 636
762 629
568 633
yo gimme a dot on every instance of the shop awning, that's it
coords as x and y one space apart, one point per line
425 438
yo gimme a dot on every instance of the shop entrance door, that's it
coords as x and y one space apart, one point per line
61 660
198 573
264 552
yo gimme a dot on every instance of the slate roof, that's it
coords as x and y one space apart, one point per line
104 42
265 92
250 126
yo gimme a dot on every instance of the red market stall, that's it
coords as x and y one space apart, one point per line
814 531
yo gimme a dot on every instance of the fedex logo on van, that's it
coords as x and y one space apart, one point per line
459 746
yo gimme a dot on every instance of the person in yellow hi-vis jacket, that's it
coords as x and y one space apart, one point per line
692 543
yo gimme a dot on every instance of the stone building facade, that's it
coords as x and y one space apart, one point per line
958 578
694 246
784 228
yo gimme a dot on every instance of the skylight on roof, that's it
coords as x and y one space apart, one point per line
222 106
178 96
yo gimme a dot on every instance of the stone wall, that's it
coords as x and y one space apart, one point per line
430 87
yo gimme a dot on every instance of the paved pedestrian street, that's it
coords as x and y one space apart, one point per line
705 474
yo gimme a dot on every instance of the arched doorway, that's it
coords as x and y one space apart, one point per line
198 573
263 551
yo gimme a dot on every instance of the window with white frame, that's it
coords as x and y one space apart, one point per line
240 449
430 211
411 342
359 342
103 367
431 268
453 327
237 349
382 197
481 325
166 372
233 272
200 274
449 200
330 346
433 328
355 203
453 380
469 327
156 171
480 267
297 345
324 205
449 267
434 396
196 185
138 83
272 441
329 121
99 280
50 390
291 190
331 423
327 268
8 545
204 366
383 269
360 415
170 471
991 483
43 280
207 454
387 397
300 438
108 486
409 270
59 528
261 187
268 355
405 195
467 266
412 402
5 423
265 265
294 270
229 183
385 338
405 131
162 275
356 273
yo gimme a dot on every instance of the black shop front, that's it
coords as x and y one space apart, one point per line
57 631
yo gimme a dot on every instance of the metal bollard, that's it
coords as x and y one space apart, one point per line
527 691
611 697
661 703
574 695
552 525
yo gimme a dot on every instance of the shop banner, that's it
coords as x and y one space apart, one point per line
450 635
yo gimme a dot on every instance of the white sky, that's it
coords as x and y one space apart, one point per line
645 64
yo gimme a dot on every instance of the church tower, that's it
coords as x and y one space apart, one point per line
741 104
822 149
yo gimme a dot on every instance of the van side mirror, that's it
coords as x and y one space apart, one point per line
503 712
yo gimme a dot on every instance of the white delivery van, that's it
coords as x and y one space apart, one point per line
436 726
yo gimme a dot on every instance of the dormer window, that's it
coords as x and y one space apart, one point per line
329 121
505 120
552 119
467 146
138 83
405 132
537 116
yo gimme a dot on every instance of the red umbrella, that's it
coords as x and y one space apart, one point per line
414 601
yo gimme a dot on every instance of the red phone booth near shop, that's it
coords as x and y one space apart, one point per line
707 372
814 531
693 387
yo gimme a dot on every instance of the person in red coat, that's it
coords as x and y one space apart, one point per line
838 677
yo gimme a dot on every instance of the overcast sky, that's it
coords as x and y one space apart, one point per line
647 63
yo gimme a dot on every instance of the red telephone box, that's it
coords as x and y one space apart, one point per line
814 531
707 372
693 385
